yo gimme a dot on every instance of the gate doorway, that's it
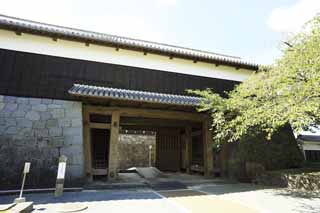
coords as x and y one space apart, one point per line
100 151
168 151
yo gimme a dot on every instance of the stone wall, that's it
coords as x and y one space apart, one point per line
134 150
37 130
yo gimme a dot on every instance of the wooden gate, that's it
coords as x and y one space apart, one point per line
168 144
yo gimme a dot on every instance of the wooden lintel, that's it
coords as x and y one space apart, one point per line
99 125
147 113
196 133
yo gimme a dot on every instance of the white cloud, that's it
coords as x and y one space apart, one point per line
101 16
290 19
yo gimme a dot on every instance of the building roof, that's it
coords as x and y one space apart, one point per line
311 138
27 26
132 95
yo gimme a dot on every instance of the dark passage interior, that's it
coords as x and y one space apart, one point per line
100 150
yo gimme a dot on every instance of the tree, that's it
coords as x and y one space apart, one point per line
287 92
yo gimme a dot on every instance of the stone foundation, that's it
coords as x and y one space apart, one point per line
38 130
134 150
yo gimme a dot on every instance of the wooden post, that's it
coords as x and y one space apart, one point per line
207 149
87 145
114 141
188 154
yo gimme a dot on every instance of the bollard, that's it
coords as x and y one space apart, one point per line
150 148
26 170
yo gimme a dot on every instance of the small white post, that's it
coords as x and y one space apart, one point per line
150 149
26 170
60 176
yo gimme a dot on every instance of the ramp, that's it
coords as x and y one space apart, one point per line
148 172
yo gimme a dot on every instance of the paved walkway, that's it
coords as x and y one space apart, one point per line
196 201
224 198
264 200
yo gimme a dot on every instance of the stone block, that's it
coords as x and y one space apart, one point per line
76 122
75 159
54 106
5 114
2 122
33 116
21 100
46 101
10 107
27 132
22 122
12 130
73 140
77 139
1 106
72 131
24 107
73 113
2 130
1 98
64 122
57 113
41 132
60 102
18 114
10 99
45 116
52 123
10 121
56 131
39 124
40 107
56 142
34 101
75 171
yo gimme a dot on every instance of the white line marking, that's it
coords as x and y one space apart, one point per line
182 208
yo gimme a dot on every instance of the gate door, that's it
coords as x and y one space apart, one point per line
168 151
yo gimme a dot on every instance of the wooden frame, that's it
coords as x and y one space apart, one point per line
117 112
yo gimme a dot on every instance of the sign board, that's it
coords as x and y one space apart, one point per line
60 175
61 170
26 168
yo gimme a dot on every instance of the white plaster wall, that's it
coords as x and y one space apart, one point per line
311 146
78 50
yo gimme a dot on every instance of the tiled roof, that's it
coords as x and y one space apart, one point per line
311 138
22 25
132 95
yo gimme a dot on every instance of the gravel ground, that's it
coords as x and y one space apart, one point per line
265 200
216 196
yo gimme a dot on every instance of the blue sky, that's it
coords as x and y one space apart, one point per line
250 29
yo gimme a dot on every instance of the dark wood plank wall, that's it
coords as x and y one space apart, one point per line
35 75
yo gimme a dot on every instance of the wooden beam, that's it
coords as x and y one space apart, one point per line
148 113
99 125
188 143
113 146
87 145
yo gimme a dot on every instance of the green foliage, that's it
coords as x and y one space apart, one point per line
287 92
